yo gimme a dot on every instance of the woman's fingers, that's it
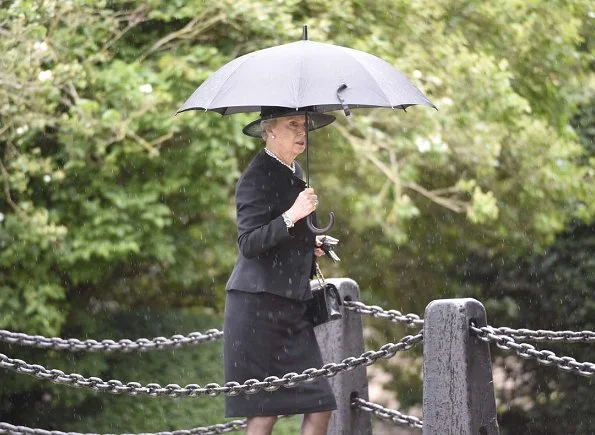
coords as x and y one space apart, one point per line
305 203
311 199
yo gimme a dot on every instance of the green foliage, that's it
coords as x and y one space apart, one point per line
555 291
491 129
83 411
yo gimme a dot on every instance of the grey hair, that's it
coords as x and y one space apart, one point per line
264 124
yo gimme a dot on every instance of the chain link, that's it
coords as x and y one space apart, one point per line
234 425
231 426
124 345
379 312
546 335
250 386
195 338
386 414
525 350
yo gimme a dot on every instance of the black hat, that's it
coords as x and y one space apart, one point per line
315 119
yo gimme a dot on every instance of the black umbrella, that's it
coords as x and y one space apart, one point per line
301 74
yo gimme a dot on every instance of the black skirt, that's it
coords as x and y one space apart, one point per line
269 335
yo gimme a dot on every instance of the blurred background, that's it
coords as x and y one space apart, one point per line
117 218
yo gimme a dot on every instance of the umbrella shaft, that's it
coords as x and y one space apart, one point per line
307 152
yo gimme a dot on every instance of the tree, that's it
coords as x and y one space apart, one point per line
552 290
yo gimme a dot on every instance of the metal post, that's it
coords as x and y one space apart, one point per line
340 339
458 386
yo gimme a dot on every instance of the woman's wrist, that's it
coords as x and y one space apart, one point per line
287 220
291 215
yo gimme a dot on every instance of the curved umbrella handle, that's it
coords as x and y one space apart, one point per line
331 217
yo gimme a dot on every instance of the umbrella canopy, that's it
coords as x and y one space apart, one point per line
305 73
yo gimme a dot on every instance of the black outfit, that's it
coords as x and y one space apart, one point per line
267 331
272 258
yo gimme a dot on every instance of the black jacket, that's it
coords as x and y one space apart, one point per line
272 258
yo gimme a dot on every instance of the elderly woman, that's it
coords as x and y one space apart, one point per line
267 331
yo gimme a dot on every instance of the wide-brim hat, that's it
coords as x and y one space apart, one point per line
316 120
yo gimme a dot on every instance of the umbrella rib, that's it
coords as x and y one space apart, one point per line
299 95
248 57
371 76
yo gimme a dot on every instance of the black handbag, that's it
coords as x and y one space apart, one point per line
325 304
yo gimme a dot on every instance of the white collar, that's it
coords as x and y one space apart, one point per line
273 155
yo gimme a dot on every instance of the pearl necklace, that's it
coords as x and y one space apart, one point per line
273 155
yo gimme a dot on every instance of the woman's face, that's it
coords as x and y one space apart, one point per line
290 134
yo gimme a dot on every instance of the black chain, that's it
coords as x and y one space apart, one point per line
6 428
195 338
521 334
250 386
124 345
546 335
525 350
230 426
381 313
387 414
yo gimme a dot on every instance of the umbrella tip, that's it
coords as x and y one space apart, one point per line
304 33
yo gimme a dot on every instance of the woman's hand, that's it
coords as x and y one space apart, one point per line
317 250
304 205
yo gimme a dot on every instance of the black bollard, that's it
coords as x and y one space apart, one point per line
340 339
458 386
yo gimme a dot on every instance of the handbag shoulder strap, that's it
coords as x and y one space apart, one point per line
320 276
330 287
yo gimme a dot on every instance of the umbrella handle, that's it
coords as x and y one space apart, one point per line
331 217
